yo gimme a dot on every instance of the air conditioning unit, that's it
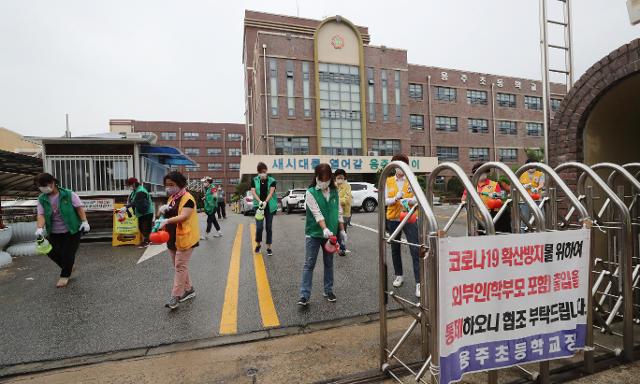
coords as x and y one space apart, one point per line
372 153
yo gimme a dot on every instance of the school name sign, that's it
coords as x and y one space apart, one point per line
511 299
307 163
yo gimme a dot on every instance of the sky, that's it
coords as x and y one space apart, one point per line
182 60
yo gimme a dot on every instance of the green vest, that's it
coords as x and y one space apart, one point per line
132 196
66 208
210 202
330 211
273 202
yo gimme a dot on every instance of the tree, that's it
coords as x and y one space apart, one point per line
536 154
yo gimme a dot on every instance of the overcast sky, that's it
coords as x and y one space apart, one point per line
181 60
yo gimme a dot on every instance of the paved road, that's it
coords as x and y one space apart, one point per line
113 303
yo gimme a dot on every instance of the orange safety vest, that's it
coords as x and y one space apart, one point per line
393 210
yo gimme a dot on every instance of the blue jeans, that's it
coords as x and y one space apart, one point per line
313 245
411 233
260 224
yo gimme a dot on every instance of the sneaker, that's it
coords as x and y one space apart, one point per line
217 234
62 282
173 303
257 250
303 301
342 253
330 297
418 290
398 281
269 252
143 245
190 294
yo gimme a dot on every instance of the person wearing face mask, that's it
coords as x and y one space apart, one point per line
140 201
210 206
323 220
61 217
489 189
398 190
222 212
533 181
264 197
344 191
180 219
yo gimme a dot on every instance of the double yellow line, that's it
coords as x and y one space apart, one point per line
229 319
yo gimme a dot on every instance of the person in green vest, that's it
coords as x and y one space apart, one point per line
324 219
62 219
210 207
264 197
140 201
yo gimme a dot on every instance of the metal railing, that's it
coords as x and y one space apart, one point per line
93 174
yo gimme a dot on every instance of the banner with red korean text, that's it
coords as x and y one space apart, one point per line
511 299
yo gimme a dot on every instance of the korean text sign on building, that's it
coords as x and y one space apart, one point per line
511 299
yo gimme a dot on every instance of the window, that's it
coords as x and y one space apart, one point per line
291 100
357 187
234 181
234 166
508 155
534 129
273 83
446 124
447 153
506 100
214 151
192 151
478 154
417 150
234 137
476 97
371 94
507 128
478 126
214 167
533 102
555 104
445 94
216 181
416 122
214 136
415 91
168 136
235 152
385 105
192 168
305 88
291 145
396 83
191 136
386 147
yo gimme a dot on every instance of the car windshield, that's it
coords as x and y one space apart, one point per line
299 191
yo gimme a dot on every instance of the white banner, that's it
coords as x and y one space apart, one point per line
98 204
511 299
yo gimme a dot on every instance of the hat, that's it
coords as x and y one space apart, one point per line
132 180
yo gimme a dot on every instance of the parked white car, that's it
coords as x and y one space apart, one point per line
293 199
364 195
246 204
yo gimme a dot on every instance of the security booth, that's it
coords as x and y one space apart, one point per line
96 167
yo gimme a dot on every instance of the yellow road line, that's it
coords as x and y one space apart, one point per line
265 299
229 319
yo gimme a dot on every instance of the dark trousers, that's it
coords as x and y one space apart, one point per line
145 223
260 225
63 252
411 233
211 220
221 211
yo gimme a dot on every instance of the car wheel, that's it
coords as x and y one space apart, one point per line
289 208
369 205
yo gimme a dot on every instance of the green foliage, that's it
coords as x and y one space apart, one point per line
535 153
455 187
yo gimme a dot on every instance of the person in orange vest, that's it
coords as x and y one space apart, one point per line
491 190
533 181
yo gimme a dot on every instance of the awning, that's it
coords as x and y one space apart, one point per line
167 155
16 174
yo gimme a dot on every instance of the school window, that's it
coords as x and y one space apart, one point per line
234 181
478 126
371 94
447 153
555 104
476 97
214 151
191 136
507 100
192 151
507 127
385 102
415 91
192 168
386 147
534 129
235 152
291 145
397 95
273 84
168 136
234 166
445 94
214 136
417 150
533 102
234 137
214 166
291 100
306 76
416 122
478 154
216 181
508 155
446 124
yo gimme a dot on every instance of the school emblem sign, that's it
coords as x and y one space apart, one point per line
337 42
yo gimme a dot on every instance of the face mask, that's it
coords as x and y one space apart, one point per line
399 173
263 176
483 177
206 185
46 190
339 181
322 184
172 190
531 171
